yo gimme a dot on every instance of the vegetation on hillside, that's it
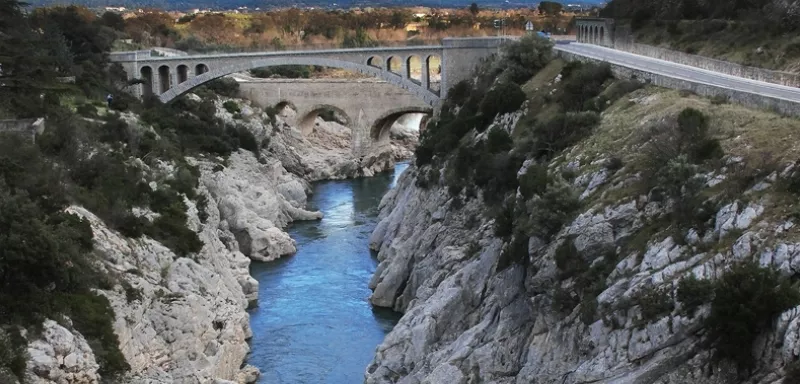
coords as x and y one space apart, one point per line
88 156
467 152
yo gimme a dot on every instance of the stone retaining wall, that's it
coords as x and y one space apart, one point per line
30 127
783 107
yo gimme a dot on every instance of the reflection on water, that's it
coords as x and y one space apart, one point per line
314 323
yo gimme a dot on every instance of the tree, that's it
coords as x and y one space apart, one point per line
400 18
113 20
473 9
550 8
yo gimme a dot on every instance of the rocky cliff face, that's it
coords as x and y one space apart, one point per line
183 319
473 316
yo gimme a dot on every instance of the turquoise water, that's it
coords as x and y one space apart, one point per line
314 323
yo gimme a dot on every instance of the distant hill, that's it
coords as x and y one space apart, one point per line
262 4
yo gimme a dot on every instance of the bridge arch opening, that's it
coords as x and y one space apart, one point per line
602 35
434 73
200 69
320 114
183 73
147 76
393 64
414 69
163 78
375 62
401 124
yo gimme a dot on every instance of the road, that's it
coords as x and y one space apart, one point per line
680 71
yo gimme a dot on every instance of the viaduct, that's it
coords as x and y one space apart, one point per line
369 109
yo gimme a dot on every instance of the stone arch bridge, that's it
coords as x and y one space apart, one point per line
454 60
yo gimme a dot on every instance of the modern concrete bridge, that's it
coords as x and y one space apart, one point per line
370 107
171 76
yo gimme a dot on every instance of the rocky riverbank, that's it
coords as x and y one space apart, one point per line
477 309
184 319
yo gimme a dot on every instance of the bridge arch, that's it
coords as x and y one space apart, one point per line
183 73
307 120
414 62
163 78
393 64
379 132
200 69
146 73
375 62
240 66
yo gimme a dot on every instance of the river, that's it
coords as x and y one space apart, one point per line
314 323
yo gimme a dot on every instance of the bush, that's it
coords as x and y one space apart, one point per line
526 56
563 300
561 132
568 261
504 220
87 110
581 83
224 86
499 140
550 211
693 293
534 181
13 354
93 317
746 300
505 97
460 92
231 106
654 303
247 140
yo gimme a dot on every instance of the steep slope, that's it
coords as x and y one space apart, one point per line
617 254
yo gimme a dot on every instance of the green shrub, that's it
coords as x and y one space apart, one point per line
561 132
563 300
693 293
581 83
615 163
284 71
505 97
523 58
654 303
504 220
93 317
568 261
224 86
719 100
247 140
87 110
231 106
499 140
516 252
497 175
554 208
534 181
746 300
460 92
13 353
